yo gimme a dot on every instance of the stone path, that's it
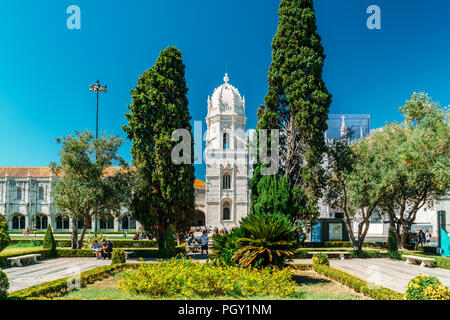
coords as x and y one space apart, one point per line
388 273
50 270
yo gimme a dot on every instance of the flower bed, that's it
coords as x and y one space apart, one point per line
181 277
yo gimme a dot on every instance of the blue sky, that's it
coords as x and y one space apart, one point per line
46 69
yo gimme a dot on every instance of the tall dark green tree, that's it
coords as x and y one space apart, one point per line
297 104
163 193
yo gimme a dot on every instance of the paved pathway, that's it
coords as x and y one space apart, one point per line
49 270
388 273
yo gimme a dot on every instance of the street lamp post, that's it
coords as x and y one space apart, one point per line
98 88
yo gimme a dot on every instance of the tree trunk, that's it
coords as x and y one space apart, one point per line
162 233
74 240
83 232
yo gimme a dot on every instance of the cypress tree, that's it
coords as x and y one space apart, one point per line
163 192
4 236
49 240
392 244
297 104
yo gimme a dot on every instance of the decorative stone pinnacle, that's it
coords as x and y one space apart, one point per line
226 79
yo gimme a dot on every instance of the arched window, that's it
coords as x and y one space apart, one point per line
62 222
80 223
41 222
19 193
226 211
106 222
41 193
226 141
226 181
128 223
18 222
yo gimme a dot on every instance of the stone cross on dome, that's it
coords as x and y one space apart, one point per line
226 79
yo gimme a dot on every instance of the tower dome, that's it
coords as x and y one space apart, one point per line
226 99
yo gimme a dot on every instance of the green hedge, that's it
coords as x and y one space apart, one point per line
341 244
303 253
116 243
86 253
59 287
357 284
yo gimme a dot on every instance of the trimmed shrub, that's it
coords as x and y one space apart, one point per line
426 288
392 245
49 241
4 236
169 244
357 284
320 259
4 285
188 278
118 256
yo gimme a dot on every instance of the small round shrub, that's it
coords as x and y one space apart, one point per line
118 256
4 285
320 259
426 288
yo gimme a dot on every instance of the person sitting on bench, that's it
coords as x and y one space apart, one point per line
97 248
107 248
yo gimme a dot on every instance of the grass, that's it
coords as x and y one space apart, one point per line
313 285
19 249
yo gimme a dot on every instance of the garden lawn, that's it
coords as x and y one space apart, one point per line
313 285
19 250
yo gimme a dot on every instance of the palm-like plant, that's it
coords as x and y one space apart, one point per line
267 240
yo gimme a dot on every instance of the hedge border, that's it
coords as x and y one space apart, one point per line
118 243
59 287
302 253
358 284
150 253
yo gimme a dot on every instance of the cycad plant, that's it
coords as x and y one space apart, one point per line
267 241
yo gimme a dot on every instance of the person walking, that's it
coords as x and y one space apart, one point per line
421 238
204 242
427 238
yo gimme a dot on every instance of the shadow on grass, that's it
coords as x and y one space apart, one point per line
305 280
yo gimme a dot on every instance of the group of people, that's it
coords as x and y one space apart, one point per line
102 249
424 238
141 236
200 243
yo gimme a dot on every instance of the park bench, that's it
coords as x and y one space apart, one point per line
29 257
424 261
190 247
128 254
340 253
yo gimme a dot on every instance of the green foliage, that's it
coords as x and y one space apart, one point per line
49 240
187 278
392 244
225 246
426 288
4 285
266 241
411 177
4 236
87 186
169 244
297 103
118 256
320 259
163 191
357 284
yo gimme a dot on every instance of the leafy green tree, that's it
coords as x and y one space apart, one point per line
49 240
169 244
163 191
297 104
415 159
4 236
266 240
87 186
354 184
